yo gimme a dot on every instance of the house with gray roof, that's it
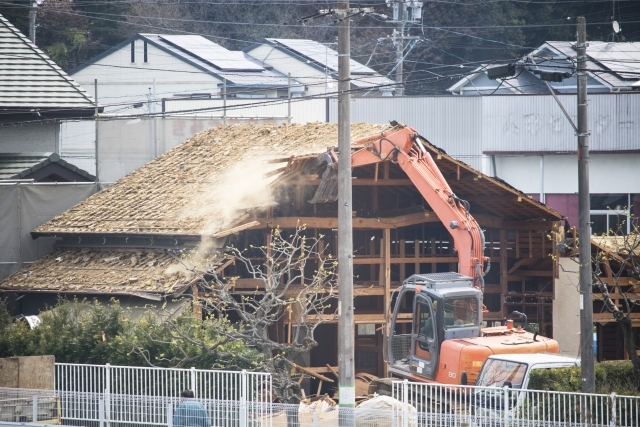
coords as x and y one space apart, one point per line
40 167
316 66
135 75
35 94
612 67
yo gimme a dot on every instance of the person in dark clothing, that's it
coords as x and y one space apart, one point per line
190 412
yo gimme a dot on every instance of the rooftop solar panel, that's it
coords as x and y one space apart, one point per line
623 58
213 53
321 54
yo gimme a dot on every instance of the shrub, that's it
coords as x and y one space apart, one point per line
611 377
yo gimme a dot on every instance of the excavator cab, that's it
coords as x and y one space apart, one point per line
444 306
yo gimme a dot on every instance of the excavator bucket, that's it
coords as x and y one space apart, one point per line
328 188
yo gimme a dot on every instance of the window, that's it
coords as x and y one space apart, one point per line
460 312
146 58
425 322
133 51
498 372
610 214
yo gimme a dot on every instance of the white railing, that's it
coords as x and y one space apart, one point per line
443 405
140 395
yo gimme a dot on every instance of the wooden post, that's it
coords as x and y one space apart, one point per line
416 254
403 274
503 271
387 280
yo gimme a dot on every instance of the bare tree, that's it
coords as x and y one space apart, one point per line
616 274
293 281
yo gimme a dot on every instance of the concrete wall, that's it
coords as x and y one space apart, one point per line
566 308
37 137
32 372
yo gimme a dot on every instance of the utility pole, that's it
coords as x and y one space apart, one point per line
400 49
586 303
95 121
32 22
346 324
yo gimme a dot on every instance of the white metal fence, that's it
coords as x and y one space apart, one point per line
421 405
440 405
140 395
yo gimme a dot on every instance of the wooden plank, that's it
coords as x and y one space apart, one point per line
530 244
416 256
358 223
236 229
424 260
517 243
302 369
517 265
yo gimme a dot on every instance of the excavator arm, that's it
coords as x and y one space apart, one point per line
404 148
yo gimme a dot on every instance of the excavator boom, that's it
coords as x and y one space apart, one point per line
404 148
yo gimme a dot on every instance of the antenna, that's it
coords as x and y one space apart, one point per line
614 24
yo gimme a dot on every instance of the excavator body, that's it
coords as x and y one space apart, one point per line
447 342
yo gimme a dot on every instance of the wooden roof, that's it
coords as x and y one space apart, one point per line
180 192
488 197
91 271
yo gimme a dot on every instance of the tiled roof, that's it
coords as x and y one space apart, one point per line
189 190
118 272
22 165
30 80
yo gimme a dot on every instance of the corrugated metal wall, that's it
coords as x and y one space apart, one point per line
449 122
468 126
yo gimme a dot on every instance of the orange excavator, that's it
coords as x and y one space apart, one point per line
447 343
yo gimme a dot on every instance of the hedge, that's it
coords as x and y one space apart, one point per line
611 377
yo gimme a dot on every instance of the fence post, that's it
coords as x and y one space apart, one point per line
506 406
169 414
405 403
613 418
101 412
194 384
34 409
243 398
107 394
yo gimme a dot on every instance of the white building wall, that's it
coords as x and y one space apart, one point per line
315 80
608 173
122 83
30 138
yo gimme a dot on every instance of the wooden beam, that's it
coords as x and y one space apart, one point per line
405 260
236 229
358 223
362 318
358 182
524 274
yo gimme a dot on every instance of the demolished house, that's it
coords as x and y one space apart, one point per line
236 183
